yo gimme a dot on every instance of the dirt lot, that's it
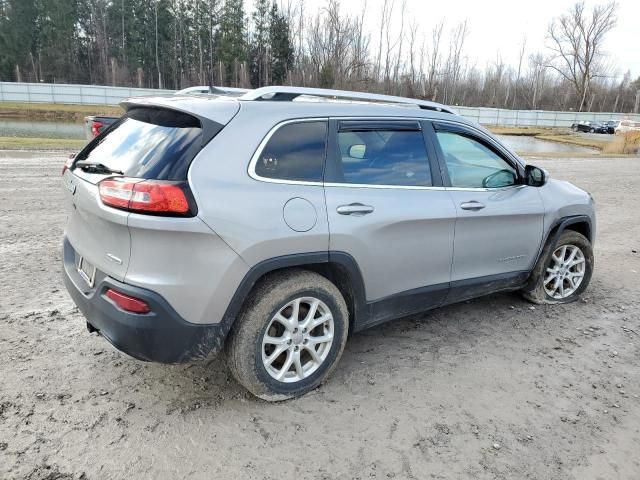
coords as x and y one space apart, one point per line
493 388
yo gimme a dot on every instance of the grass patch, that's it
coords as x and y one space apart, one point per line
55 111
523 131
628 143
21 143
574 140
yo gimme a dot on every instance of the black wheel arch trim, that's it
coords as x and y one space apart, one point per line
559 226
310 259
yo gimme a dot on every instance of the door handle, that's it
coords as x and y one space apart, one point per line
472 205
355 209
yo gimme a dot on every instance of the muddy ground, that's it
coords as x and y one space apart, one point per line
492 388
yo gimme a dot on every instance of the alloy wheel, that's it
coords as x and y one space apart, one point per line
565 273
297 340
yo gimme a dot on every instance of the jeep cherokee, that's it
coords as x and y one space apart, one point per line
274 225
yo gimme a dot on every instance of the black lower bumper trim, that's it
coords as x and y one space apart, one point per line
160 336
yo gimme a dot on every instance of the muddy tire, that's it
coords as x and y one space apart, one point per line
289 336
563 271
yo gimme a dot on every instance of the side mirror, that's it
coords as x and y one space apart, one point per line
357 151
535 176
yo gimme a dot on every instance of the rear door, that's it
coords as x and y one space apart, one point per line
388 210
499 222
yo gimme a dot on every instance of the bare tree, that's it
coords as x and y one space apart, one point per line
434 60
523 48
577 41
455 59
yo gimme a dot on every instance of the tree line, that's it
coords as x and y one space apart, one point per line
178 43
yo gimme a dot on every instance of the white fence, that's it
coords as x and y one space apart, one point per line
77 94
536 118
102 95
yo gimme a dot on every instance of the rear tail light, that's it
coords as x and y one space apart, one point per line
95 128
127 302
147 196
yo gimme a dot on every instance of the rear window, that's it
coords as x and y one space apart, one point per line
150 143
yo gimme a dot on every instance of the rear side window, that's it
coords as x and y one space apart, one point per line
150 143
384 157
295 151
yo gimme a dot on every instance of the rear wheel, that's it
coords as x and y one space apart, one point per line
563 271
592 130
290 335
574 128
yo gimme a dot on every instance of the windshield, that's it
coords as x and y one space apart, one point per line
150 143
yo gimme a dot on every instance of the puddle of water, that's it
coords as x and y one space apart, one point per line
533 145
38 128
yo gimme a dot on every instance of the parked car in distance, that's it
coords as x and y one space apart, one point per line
627 126
94 125
589 127
611 125
275 225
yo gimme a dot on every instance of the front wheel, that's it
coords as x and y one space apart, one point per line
289 336
563 271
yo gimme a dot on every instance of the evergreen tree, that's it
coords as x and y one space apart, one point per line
281 47
55 40
260 44
18 29
232 48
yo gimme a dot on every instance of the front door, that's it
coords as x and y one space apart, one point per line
387 209
499 223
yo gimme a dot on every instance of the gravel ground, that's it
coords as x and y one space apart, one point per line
493 388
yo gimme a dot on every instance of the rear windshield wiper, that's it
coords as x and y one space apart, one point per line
94 167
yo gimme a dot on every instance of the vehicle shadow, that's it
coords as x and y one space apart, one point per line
435 336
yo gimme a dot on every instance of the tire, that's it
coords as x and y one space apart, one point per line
249 349
535 290
592 130
574 128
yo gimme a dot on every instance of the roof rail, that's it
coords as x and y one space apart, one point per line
212 90
285 94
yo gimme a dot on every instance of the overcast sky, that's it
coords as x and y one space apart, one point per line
498 26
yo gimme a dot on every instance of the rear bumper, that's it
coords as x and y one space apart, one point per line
158 336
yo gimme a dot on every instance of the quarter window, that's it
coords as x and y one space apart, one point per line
384 157
296 151
471 164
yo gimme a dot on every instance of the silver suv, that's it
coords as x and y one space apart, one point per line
274 225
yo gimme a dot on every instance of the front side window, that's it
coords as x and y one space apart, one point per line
471 164
296 151
384 157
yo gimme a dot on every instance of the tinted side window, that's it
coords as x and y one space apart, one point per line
384 157
295 152
471 164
